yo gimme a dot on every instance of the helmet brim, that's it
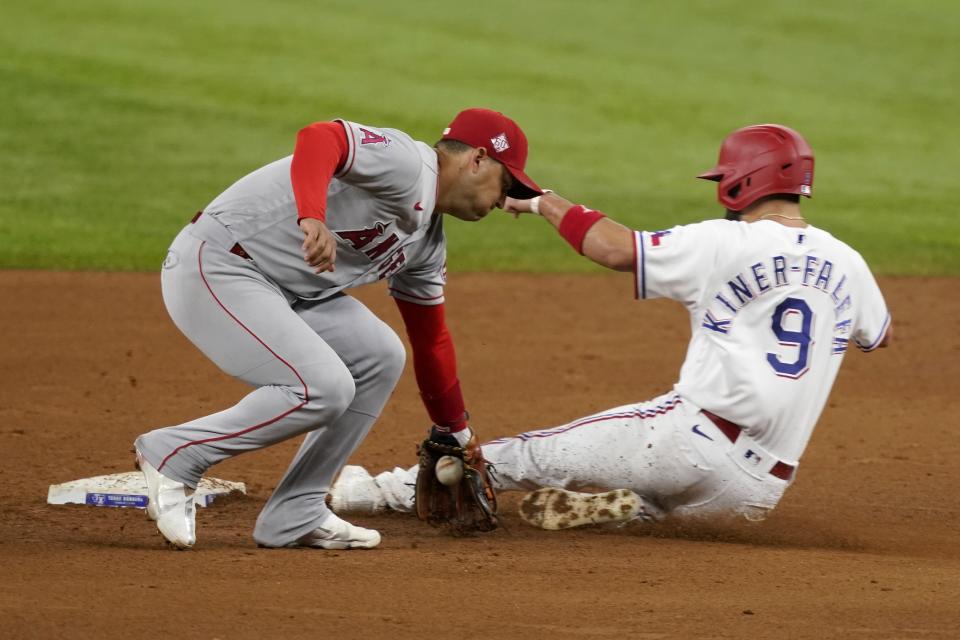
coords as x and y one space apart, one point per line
715 174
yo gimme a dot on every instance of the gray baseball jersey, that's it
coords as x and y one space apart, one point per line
379 208
236 284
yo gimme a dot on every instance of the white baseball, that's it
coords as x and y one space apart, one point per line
449 470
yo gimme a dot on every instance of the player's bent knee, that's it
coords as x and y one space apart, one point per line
329 390
339 393
392 357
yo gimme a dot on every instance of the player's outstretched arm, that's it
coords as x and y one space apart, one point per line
590 232
466 501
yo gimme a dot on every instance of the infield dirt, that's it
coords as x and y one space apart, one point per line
864 544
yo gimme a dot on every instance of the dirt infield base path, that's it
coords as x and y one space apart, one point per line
864 545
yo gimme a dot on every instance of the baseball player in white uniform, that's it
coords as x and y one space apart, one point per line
256 281
774 304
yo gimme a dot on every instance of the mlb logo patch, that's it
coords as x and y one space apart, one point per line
500 143
805 189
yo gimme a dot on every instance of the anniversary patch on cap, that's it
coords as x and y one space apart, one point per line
503 140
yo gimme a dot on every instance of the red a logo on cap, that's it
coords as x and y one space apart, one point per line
369 137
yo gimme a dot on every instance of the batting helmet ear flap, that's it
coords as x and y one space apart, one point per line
734 191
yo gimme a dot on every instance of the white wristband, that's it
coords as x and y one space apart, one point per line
535 202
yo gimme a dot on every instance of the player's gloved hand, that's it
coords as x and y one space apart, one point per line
319 246
469 504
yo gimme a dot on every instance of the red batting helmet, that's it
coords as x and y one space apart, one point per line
760 161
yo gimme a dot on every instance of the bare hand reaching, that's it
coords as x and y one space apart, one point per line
319 246
516 207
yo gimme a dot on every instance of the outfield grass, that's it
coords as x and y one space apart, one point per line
120 119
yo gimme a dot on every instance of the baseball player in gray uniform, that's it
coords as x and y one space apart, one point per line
774 303
257 282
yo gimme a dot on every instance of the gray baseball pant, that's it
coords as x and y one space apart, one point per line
322 368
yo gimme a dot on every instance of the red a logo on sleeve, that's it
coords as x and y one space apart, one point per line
371 137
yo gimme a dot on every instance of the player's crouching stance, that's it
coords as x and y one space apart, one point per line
774 303
258 283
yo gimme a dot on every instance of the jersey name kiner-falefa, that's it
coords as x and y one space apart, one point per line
772 312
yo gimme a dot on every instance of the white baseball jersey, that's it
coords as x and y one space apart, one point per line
772 309
379 208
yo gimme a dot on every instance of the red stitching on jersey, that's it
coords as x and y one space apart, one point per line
306 396
410 295
636 277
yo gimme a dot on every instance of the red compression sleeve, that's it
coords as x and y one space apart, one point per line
320 152
435 364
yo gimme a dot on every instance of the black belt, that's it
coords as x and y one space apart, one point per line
236 249
780 470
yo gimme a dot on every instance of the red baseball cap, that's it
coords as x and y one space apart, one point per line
503 140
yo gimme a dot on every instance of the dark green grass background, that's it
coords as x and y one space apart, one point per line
120 119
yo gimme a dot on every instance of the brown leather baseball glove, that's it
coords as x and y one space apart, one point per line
466 506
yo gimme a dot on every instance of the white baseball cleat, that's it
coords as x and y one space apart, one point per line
170 505
355 491
336 533
553 509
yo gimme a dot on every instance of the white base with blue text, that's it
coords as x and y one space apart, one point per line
130 490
